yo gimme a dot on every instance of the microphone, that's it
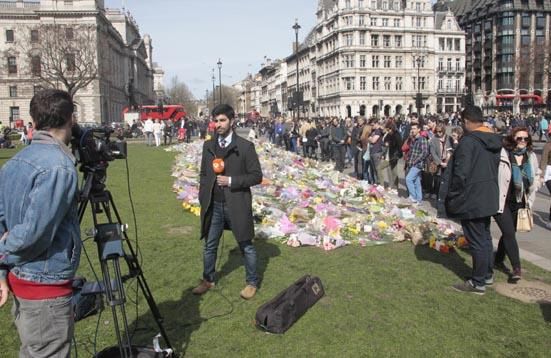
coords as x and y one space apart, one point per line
218 166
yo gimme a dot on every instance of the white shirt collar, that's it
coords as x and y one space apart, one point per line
227 139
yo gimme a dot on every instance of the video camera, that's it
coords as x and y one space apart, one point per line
92 146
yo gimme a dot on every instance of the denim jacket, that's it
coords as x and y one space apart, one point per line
38 209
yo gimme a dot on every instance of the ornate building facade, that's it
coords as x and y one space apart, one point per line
508 49
371 58
122 56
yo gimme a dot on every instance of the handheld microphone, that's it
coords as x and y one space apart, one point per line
218 166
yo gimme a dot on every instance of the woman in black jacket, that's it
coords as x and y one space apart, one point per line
392 152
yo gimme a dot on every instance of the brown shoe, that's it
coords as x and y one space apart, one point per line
248 292
203 287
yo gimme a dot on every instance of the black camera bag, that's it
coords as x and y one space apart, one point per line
281 312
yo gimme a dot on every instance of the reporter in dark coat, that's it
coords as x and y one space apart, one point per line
225 198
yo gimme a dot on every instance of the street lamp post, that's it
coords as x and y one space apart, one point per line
213 91
419 96
219 63
296 27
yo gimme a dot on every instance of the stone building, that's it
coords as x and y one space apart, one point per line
122 56
373 56
508 49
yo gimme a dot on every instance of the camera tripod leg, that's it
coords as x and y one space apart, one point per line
102 202
116 298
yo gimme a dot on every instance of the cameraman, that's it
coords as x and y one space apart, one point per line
39 228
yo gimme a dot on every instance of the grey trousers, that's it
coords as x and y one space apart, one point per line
45 327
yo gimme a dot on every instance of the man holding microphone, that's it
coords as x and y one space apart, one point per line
229 168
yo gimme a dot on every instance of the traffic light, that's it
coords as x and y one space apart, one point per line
419 100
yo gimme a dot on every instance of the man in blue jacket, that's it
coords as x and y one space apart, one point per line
39 229
473 195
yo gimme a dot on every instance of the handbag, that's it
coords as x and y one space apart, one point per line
525 218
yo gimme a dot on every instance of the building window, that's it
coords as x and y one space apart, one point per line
387 83
362 37
362 84
14 113
70 62
440 64
374 40
441 44
418 6
421 83
361 4
373 4
385 5
386 40
68 2
449 24
398 61
361 20
347 5
398 83
385 22
398 40
375 83
10 37
418 21
12 65
348 83
375 61
440 84
34 36
457 44
457 64
13 91
36 66
386 61
373 21
526 20
69 34
348 61
396 22
362 61
348 39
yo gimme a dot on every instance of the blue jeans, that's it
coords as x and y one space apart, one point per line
45 327
220 217
413 182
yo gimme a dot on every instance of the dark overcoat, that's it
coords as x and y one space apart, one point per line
242 165
472 190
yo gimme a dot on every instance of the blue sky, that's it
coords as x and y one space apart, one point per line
190 35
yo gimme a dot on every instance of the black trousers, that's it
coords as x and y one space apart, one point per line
477 232
508 245
339 152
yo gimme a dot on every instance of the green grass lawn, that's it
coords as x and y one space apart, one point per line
390 300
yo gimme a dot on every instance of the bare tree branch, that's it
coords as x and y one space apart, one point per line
68 55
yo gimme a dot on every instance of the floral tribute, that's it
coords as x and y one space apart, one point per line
304 202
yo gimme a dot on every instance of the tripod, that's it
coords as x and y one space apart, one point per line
111 238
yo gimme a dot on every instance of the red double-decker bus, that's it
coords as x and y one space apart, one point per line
175 112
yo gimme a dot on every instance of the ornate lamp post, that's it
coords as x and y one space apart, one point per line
296 27
213 91
419 96
219 63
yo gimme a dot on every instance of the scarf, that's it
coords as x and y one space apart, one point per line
522 172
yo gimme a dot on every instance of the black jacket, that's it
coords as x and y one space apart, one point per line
242 165
473 190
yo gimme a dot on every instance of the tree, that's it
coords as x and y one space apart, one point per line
63 55
229 96
179 93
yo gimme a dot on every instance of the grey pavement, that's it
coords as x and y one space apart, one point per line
535 246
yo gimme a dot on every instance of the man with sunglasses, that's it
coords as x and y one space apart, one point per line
473 195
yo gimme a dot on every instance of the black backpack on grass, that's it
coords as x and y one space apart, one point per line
279 314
